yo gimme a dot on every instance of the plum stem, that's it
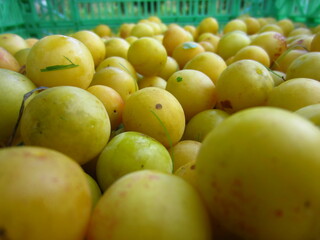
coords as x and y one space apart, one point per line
25 97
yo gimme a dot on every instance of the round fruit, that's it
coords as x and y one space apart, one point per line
194 90
188 173
183 152
262 21
174 36
235 25
147 56
158 38
294 38
156 29
112 102
299 31
8 61
67 119
31 41
208 47
186 51
254 53
94 43
155 112
154 81
273 42
271 28
116 46
12 42
315 43
125 29
208 24
155 19
13 86
231 43
21 56
94 190
102 30
295 93
202 123
286 25
58 60
203 62
150 205
243 84
120 63
169 68
44 195
253 25
209 37
191 29
303 42
262 157
285 60
131 39
119 80
129 152
305 66
310 112
142 30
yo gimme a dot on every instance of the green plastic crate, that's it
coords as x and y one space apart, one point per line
11 19
45 17
37 18
313 12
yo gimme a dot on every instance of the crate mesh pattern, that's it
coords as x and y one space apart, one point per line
37 18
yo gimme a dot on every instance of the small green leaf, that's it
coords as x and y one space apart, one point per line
273 72
127 70
189 45
166 133
179 79
131 74
59 67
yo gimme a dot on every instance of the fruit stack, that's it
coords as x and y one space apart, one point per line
162 131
